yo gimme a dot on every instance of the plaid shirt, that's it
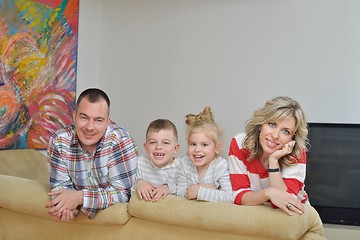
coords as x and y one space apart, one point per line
106 177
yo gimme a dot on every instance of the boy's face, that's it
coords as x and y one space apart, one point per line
161 147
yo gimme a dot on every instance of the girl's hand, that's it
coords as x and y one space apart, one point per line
208 185
285 201
192 191
67 215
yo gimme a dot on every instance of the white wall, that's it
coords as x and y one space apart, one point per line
88 44
164 58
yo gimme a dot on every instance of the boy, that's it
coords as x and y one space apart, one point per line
157 173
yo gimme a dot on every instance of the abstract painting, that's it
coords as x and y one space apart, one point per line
38 44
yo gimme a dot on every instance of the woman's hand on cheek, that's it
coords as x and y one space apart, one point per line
285 150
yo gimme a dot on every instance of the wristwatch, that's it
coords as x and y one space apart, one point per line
273 170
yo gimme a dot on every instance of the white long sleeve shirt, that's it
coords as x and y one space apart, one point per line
217 174
150 173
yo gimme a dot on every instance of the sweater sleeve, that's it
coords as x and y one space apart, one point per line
294 178
238 170
182 179
221 180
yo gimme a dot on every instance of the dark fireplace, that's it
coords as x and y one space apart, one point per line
333 172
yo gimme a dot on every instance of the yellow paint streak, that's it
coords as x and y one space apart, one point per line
32 12
30 67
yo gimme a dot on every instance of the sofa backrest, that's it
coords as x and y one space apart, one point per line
26 163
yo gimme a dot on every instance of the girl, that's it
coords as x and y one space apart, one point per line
204 174
269 162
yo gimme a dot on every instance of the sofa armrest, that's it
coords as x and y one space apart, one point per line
260 220
29 197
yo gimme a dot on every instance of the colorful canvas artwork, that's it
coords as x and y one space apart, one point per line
38 44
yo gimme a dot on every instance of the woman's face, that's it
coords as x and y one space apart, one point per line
274 135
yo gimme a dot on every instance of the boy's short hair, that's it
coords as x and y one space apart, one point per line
162 124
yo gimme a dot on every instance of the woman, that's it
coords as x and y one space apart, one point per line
269 162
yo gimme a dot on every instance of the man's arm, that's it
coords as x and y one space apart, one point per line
121 177
58 168
60 182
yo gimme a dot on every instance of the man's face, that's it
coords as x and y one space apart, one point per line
91 121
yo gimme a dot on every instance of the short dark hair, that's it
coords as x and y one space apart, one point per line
93 95
162 124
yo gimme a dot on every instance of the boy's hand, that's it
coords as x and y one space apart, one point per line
160 192
144 190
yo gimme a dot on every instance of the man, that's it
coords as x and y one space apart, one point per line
92 162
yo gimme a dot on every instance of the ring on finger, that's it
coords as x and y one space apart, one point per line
288 205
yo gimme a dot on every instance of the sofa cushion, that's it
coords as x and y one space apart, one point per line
26 163
259 220
29 197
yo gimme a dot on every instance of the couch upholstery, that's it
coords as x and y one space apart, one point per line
24 184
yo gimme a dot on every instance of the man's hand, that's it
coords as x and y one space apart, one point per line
65 216
64 203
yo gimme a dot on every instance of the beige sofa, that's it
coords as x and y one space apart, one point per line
24 184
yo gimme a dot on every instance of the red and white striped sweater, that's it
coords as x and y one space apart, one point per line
252 176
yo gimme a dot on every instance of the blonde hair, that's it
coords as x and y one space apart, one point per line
276 109
204 121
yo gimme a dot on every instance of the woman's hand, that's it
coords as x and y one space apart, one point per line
285 150
285 201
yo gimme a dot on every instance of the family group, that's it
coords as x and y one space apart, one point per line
94 163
